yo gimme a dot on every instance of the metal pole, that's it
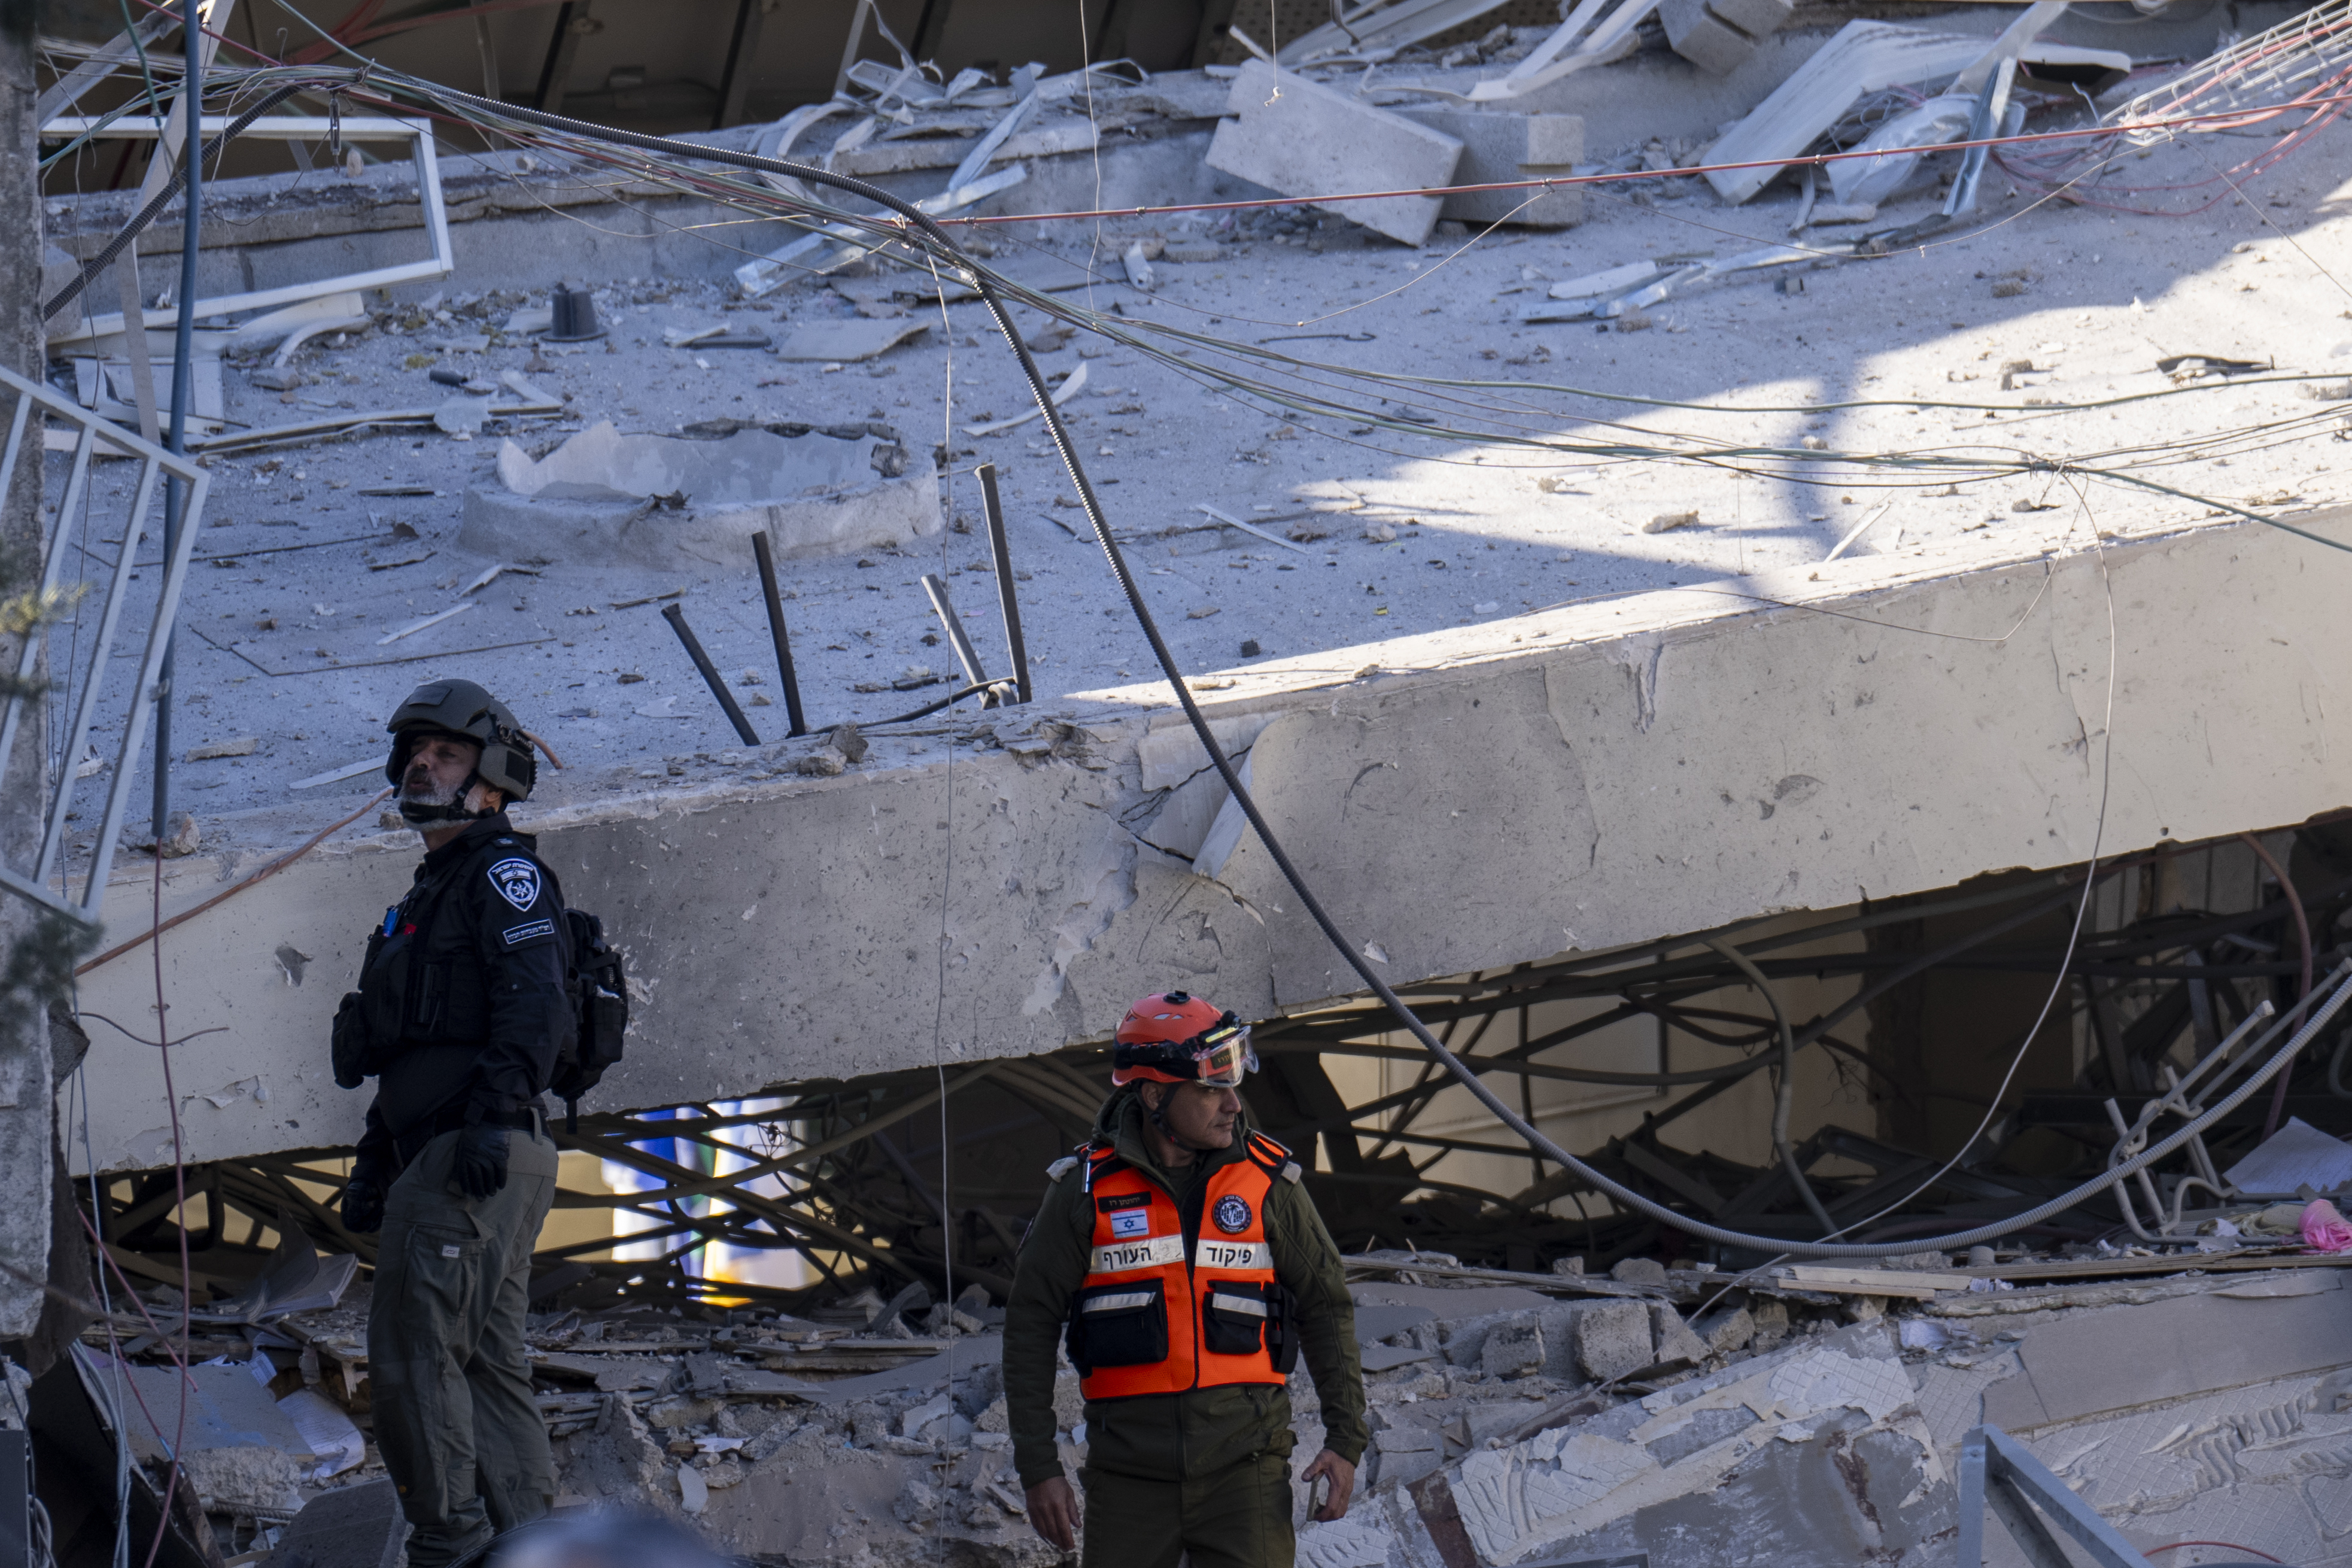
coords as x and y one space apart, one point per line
966 655
994 510
676 616
767 556
184 385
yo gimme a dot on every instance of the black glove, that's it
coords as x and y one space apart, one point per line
363 1200
481 1160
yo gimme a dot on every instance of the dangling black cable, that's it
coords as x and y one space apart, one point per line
932 234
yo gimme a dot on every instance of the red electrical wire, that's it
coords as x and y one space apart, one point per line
2226 1545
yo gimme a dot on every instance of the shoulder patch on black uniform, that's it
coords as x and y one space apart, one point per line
529 931
516 877
1062 1167
1290 1171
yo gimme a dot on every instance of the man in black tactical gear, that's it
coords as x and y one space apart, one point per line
461 1013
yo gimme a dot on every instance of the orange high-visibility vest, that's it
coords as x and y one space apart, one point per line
1154 1316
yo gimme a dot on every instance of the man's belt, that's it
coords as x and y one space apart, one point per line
452 1117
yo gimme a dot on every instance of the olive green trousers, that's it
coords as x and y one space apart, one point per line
1238 1518
450 1384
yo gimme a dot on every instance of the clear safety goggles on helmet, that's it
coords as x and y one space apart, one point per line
1224 1054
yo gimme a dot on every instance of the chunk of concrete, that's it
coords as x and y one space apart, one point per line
351 1527
1513 1348
1718 35
847 343
1465 1338
1407 1453
1612 1339
1497 148
241 1480
1726 1329
1639 1270
1673 1340
664 502
1300 138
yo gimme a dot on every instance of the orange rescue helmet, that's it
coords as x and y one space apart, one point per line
1177 1038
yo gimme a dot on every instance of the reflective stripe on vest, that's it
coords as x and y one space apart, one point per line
1139 1274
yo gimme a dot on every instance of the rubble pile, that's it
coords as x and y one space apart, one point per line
1732 1418
1685 1412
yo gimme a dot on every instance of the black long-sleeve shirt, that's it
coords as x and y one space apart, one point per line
475 951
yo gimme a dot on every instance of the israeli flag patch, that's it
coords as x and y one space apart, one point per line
517 880
1130 1223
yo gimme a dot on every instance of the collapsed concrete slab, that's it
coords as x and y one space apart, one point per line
1627 744
666 501
1300 138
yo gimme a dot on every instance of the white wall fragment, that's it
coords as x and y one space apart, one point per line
1351 1542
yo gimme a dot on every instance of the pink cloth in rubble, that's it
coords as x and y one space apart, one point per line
2325 1229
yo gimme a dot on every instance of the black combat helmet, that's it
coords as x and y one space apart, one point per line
463 709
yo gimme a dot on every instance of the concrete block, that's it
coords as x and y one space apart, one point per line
1497 147
1465 1338
1672 1338
1407 1440
1495 1419
1613 1338
1299 138
1702 38
1725 1330
1639 1271
1719 35
1406 1468
1760 19
1515 1347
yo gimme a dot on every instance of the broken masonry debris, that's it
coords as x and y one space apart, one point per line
1719 36
1311 139
815 490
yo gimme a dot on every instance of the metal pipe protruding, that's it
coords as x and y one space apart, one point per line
966 655
1006 600
767 558
676 616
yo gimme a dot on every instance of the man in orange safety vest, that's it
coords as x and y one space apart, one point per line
1180 1263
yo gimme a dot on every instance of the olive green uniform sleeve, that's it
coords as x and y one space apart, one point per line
1306 1260
1052 1267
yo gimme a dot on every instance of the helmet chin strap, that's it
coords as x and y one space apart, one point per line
430 812
1159 1118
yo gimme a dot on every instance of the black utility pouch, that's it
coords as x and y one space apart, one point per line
1119 1325
1282 1328
350 1042
1235 1318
